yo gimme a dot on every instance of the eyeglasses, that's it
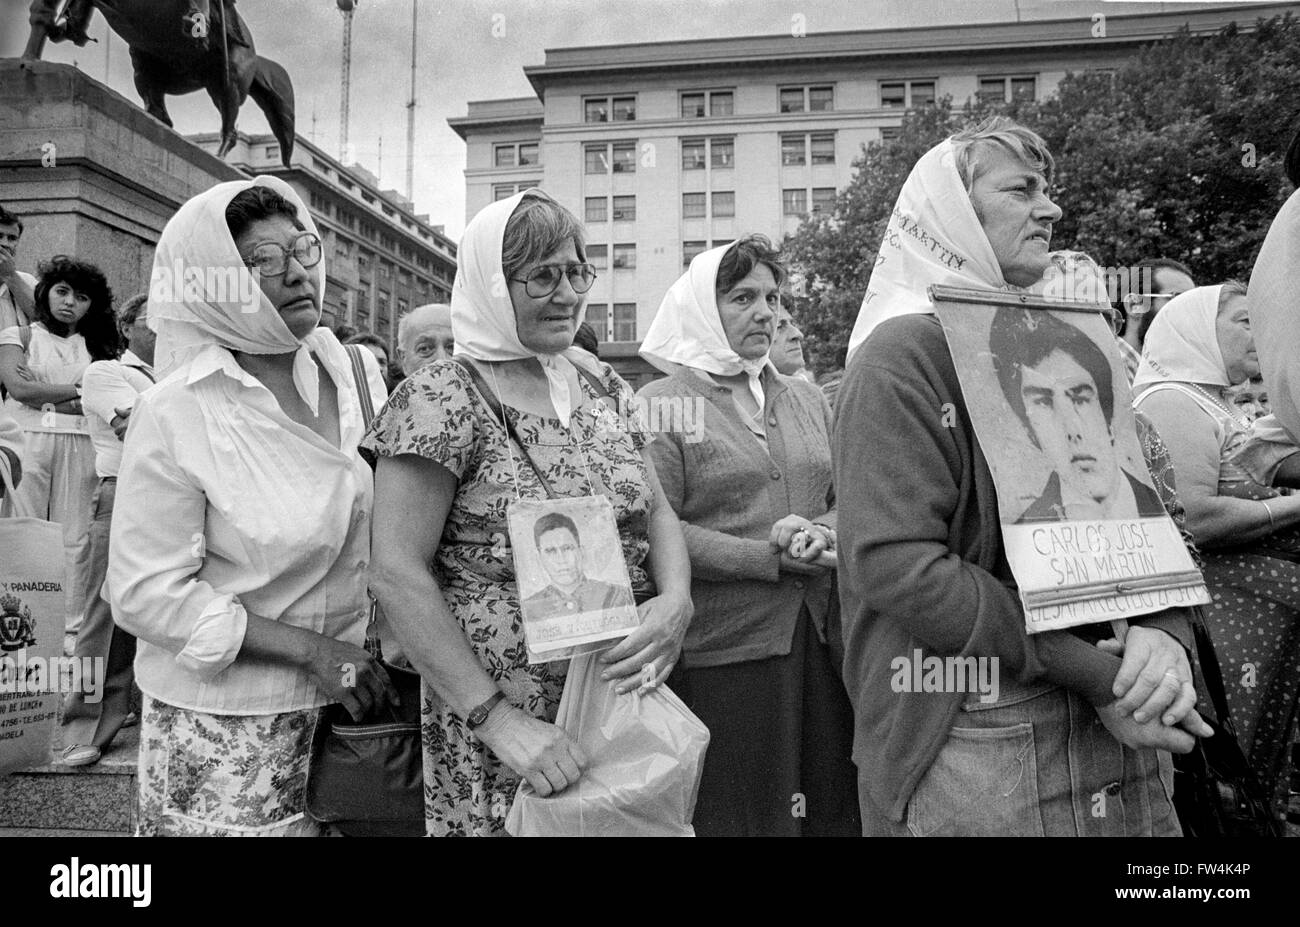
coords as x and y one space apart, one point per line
270 259
544 280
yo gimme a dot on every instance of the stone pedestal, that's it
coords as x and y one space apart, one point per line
91 173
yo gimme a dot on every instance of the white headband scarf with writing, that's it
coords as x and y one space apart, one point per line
934 238
1274 300
201 292
688 330
482 316
1181 344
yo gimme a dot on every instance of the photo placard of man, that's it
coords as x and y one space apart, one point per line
1059 384
571 591
17 289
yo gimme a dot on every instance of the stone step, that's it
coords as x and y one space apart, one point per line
90 800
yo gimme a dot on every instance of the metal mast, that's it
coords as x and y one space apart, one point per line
346 7
410 115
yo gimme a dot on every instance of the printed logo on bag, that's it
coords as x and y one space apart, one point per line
17 627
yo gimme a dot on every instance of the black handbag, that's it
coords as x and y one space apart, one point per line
1216 792
366 778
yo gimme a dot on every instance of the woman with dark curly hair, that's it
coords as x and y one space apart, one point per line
41 366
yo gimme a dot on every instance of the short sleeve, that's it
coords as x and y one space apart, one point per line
434 413
11 335
631 408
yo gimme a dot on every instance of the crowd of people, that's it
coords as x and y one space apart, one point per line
229 513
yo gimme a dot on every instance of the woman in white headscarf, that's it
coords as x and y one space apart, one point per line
1199 346
744 455
240 535
924 580
447 471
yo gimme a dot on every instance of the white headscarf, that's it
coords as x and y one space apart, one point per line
483 321
688 330
1274 315
1181 344
201 293
935 238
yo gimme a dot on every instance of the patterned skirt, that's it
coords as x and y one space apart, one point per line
205 775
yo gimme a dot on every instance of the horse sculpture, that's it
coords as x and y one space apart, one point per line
178 47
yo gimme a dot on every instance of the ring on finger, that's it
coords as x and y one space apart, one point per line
1174 676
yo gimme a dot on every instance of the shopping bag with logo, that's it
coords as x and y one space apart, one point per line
645 752
31 640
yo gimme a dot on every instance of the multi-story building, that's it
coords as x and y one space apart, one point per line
668 148
381 259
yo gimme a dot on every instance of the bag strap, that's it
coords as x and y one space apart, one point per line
494 406
1210 672
363 385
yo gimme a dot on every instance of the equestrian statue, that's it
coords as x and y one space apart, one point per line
178 47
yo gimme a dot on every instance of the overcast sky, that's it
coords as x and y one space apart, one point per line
460 59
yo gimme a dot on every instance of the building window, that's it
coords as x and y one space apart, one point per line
503 191
271 152
597 159
597 209
624 159
792 150
598 319
609 109
625 256
322 167
625 321
823 199
402 307
724 205
693 154
794 202
1007 89
598 256
889 133
690 249
807 99
723 152
693 206
823 148
906 93
714 102
519 154
385 269
625 209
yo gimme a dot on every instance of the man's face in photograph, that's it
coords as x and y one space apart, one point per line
561 557
1067 420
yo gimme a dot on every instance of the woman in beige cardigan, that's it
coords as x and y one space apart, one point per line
751 482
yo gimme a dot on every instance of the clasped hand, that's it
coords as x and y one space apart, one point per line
804 547
1154 696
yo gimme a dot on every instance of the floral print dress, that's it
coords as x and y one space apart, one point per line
438 414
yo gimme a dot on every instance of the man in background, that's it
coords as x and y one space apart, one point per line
17 289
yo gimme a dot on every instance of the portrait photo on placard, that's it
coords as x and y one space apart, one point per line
573 583
1063 444
1084 529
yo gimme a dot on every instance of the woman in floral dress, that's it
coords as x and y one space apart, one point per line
446 474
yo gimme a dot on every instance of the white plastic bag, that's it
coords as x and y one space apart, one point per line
645 753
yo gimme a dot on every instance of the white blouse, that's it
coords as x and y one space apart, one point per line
226 506
51 359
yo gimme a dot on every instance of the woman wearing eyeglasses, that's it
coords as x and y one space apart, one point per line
447 472
241 534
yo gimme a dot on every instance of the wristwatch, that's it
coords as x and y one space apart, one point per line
479 713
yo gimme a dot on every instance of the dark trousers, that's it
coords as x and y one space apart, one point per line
97 723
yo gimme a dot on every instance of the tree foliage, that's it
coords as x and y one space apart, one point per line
1178 153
